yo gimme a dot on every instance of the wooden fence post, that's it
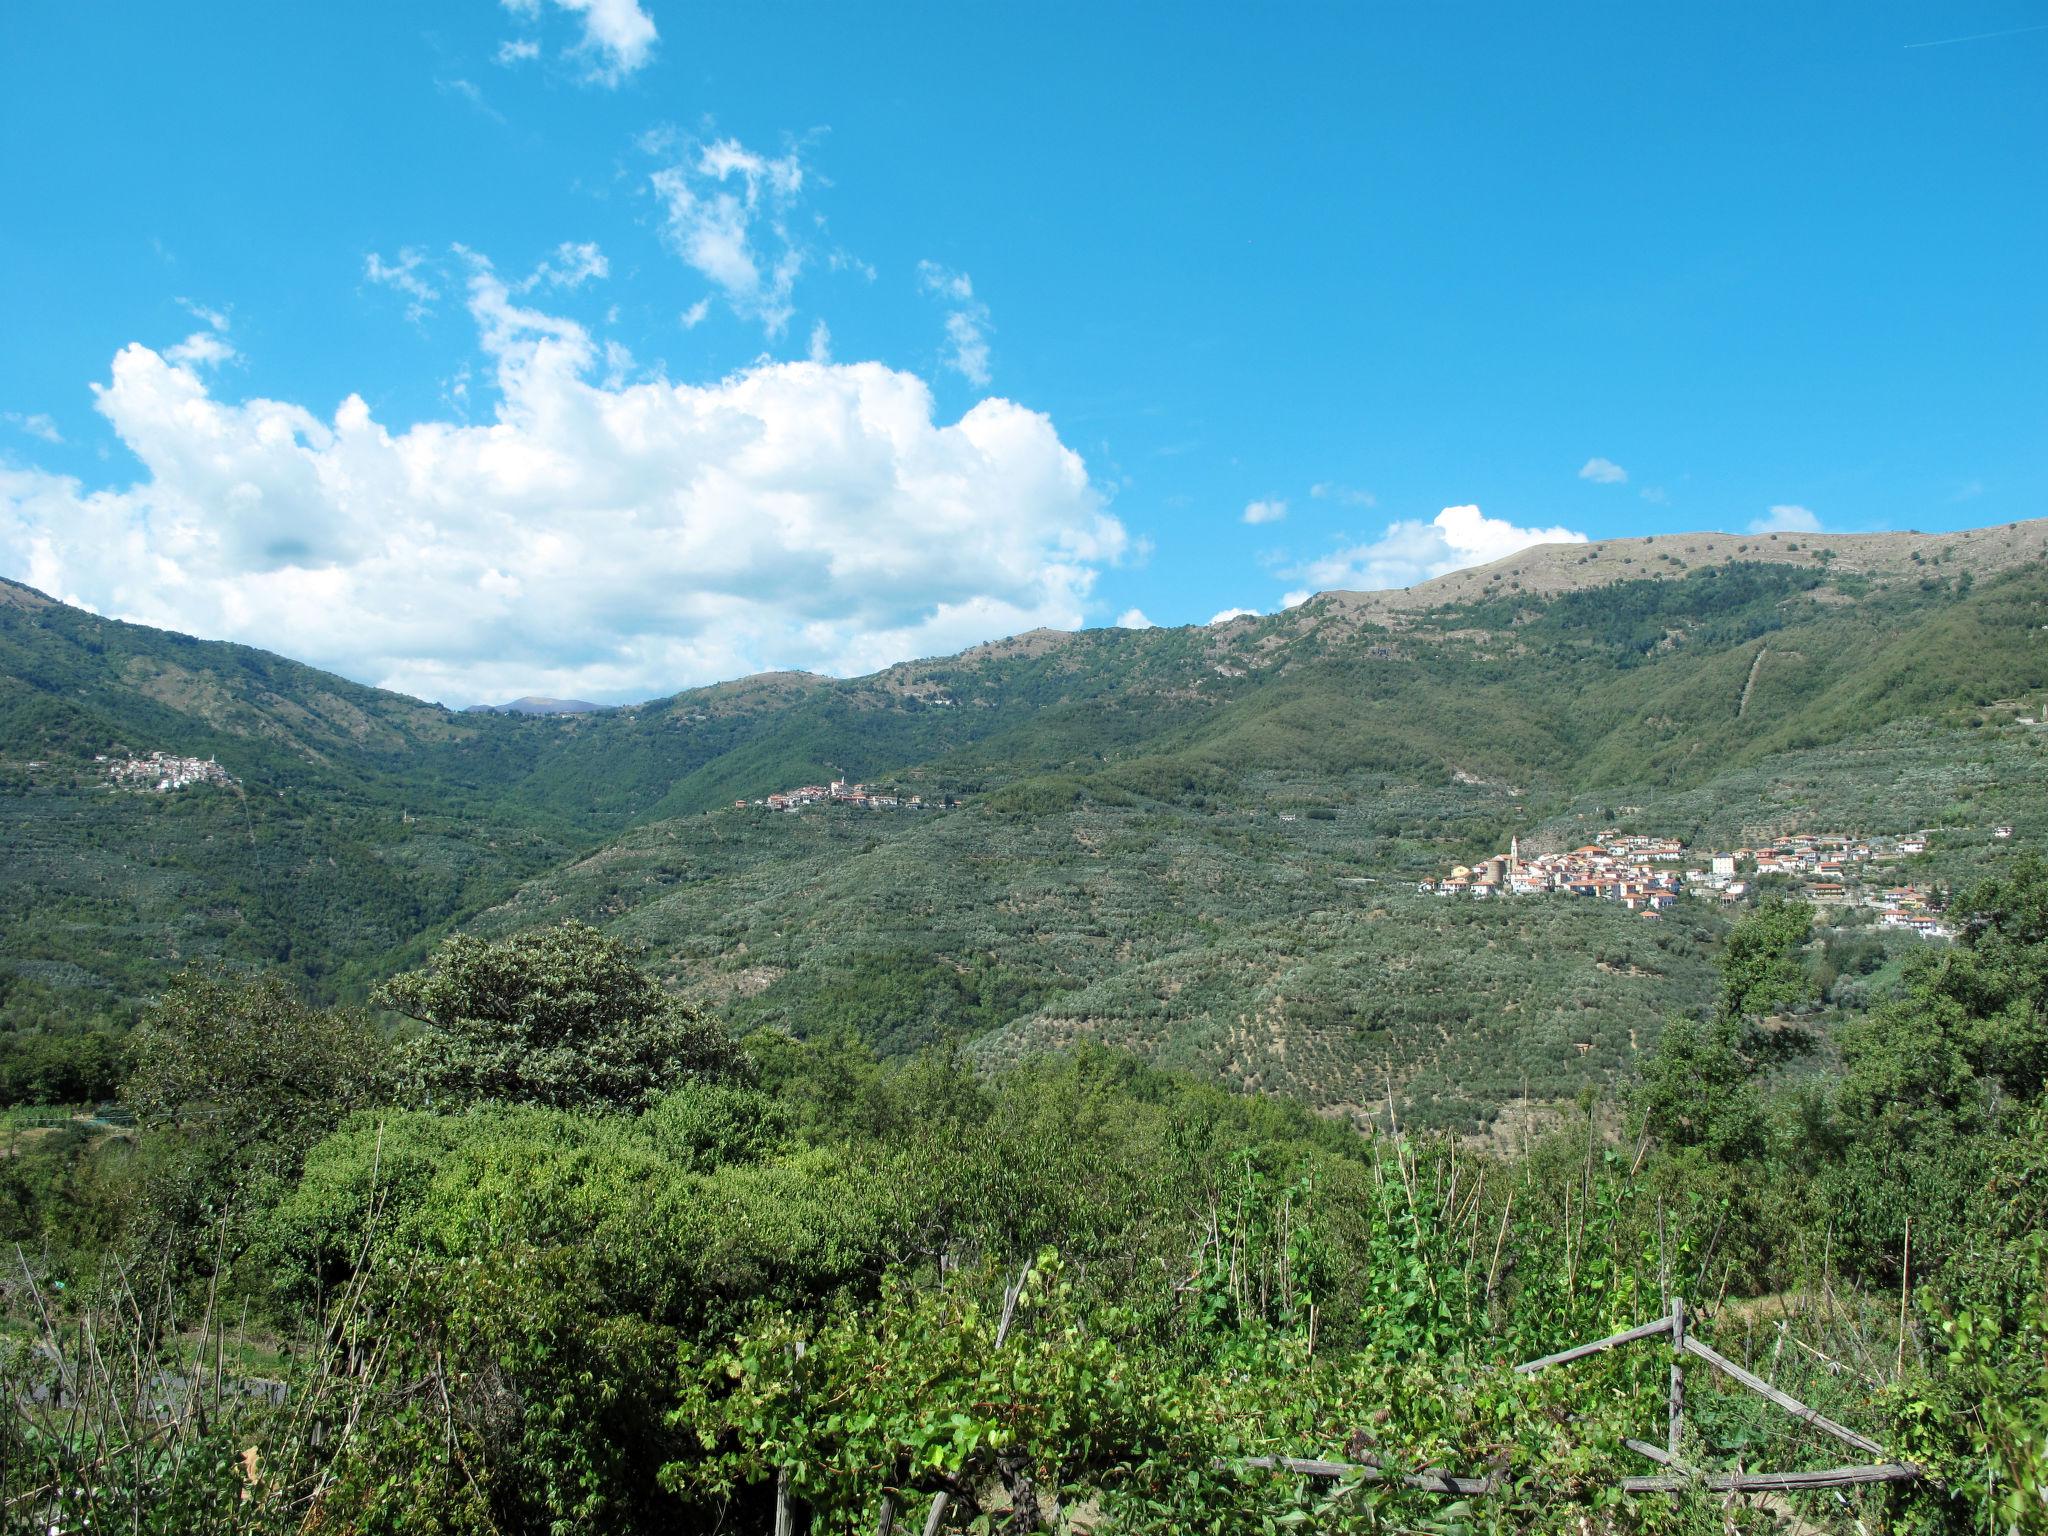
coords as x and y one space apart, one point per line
785 1507
1677 1426
785 1513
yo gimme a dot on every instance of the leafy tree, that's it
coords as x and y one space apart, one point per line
67 1066
1934 1076
247 1063
1699 1090
1762 970
1702 1086
562 1017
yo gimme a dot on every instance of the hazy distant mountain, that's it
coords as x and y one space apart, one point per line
534 704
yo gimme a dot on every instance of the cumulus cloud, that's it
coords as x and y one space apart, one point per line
608 540
1134 618
1412 550
1234 613
618 37
34 423
1786 518
1603 472
727 213
207 348
406 276
1270 510
967 321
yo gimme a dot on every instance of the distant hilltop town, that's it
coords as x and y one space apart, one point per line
1647 874
839 792
162 772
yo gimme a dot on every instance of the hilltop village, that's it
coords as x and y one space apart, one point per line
1647 874
162 772
839 792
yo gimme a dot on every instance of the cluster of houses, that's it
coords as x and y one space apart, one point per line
1639 872
1646 874
163 772
839 792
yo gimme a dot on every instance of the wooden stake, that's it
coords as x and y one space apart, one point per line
785 1506
934 1521
1738 1482
887 1527
1677 1422
1905 1273
1656 1453
1784 1400
785 1511
1430 1479
1612 1341
1010 1305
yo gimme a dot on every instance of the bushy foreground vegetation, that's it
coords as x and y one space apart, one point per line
565 1258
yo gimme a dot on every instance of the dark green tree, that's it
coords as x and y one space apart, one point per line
1763 970
563 1017
247 1065
1933 1077
1702 1085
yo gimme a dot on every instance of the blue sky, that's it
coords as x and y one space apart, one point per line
616 346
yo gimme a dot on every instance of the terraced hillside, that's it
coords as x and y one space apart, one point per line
1200 843
1235 893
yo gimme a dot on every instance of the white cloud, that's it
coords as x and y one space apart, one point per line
404 276
201 349
1412 550
1270 510
821 343
597 539
967 321
1234 613
728 216
574 263
204 349
695 315
35 424
1350 496
215 319
1134 618
618 37
1786 518
969 357
518 50
1654 495
1603 472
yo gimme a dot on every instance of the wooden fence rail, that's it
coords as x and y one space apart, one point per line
1678 1478
1681 1476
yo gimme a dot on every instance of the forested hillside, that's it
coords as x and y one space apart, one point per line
1198 844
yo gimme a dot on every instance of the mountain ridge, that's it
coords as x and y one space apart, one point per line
1542 570
1199 843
